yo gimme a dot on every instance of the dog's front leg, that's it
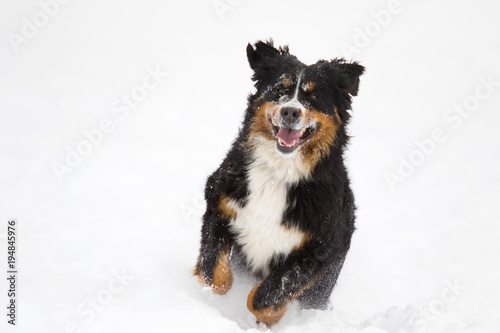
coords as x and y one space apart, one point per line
268 300
213 267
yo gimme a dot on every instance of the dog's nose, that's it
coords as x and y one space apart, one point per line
290 116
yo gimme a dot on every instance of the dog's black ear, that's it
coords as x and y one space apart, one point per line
349 75
263 53
266 60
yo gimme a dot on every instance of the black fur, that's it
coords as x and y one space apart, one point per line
324 203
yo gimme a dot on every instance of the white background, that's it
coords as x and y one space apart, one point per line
133 203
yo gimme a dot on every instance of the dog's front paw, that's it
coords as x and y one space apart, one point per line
259 303
222 278
219 285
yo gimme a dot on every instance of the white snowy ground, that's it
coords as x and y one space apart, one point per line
110 247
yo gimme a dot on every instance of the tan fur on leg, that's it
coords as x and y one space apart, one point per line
223 276
269 316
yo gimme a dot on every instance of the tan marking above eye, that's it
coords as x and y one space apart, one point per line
309 86
286 82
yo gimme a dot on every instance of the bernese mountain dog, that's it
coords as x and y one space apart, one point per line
280 203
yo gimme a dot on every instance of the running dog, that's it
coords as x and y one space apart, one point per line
280 202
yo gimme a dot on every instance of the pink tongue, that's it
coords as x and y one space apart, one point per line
288 135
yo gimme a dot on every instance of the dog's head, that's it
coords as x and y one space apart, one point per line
300 108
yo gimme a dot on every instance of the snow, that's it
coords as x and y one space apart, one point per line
131 206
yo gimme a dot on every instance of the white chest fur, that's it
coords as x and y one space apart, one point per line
258 224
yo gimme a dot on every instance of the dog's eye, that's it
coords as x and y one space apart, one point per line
281 90
314 96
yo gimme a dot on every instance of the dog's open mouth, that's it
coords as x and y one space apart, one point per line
288 139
